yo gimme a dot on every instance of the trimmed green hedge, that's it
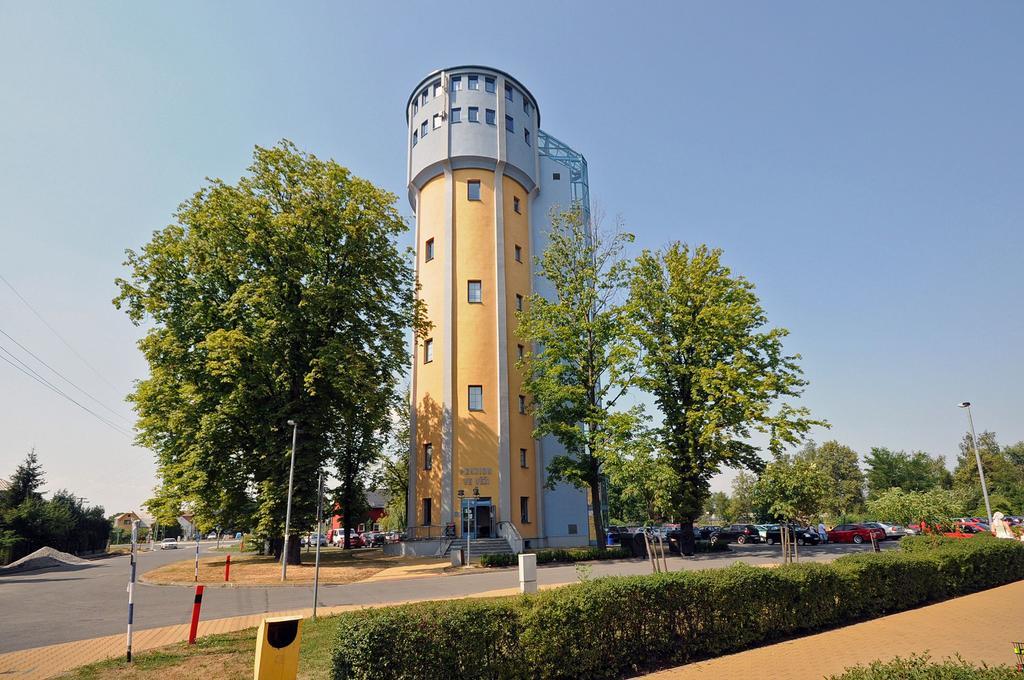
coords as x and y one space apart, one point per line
620 626
923 668
550 555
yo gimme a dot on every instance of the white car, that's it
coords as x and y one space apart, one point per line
169 544
892 531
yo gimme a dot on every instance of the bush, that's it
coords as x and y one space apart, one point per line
922 668
620 626
551 555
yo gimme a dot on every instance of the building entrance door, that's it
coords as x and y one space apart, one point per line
477 524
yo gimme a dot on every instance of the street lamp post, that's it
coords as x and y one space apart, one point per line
288 510
319 528
977 458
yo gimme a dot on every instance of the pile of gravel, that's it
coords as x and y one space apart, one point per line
44 558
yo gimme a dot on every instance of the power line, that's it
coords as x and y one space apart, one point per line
62 377
27 370
59 336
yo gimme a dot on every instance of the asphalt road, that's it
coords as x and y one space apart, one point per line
48 607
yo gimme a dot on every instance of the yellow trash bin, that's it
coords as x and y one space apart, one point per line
277 648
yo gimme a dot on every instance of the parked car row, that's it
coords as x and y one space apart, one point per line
772 533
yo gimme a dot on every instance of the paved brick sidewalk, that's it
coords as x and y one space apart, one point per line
980 627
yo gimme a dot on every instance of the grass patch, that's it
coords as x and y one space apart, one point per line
229 656
336 566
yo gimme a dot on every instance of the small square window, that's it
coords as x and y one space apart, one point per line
429 250
522 404
474 82
437 88
473 190
428 350
456 116
573 529
423 129
526 136
489 84
519 351
476 398
556 175
519 302
524 509
519 252
428 456
456 83
510 124
522 458
515 204
474 114
508 92
474 292
437 120
415 137
490 117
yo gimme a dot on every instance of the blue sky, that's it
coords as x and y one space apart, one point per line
860 162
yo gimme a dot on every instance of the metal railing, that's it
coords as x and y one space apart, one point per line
430 531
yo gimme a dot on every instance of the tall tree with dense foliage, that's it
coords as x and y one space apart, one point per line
1003 475
792 488
741 502
934 507
281 297
841 465
583 359
915 471
640 486
28 521
717 374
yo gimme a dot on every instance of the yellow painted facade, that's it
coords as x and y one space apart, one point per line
429 382
518 282
474 348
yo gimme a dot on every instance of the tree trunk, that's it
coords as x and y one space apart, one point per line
294 550
595 498
687 546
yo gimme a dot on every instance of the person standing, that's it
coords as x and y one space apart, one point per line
822 533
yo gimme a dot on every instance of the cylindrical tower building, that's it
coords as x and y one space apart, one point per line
475 160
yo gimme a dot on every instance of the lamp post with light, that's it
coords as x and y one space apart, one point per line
977 458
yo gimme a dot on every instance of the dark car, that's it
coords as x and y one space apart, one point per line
740 533
802 535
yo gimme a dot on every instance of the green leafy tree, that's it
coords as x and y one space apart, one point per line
717 374
718 507
841 464
640 484
935 507
25 483
792 488
392 474
283 296
1003 475
915 471
582 360
741 503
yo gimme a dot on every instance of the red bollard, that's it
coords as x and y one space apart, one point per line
227 569
195 615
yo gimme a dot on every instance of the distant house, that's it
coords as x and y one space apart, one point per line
377 502
188 525
123 521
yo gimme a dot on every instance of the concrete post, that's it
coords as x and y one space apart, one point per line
527 573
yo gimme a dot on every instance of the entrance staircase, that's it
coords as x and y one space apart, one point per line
480 546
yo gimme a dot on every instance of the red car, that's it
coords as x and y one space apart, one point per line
854 533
